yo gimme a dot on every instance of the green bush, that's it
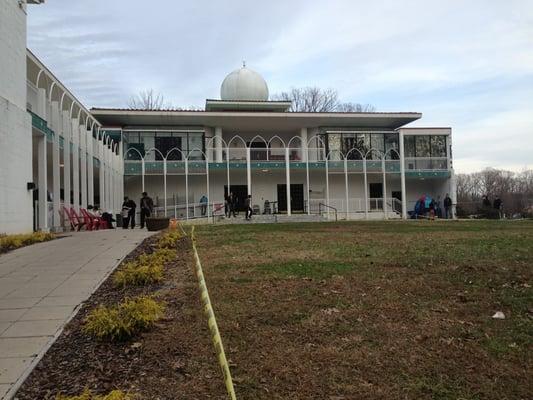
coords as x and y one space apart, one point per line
169 239
11 242
132 274
146 269
87 395
124 320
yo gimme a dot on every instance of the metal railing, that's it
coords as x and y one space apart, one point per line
322 205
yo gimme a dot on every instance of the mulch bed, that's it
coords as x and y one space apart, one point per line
174 360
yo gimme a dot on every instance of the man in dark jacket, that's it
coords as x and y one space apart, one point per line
128 213
147 207
248 206
447 206
498 206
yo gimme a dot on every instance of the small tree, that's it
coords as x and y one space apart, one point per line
148 100
315 99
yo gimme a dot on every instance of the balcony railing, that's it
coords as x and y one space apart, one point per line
426 163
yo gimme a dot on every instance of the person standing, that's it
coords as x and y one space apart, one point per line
232 204
128 213
447 206
248 206
203 205
147 207
226 206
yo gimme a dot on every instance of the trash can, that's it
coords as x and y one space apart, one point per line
118 217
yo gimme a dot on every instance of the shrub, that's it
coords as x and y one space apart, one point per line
134 274
169 239
11 242
147 269
124 320
87 395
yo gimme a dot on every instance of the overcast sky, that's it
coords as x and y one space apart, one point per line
464 64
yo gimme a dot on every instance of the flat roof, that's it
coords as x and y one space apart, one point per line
254 121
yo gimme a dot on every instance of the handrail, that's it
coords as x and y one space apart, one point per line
320 205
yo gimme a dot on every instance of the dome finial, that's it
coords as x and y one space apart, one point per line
243 63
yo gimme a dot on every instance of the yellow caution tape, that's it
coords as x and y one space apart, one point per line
212 322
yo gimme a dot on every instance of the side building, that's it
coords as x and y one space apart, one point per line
356 165
52 150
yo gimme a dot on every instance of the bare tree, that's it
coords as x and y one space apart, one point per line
314 99
148 100
355 107
514 189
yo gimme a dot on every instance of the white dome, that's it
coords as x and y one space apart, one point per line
244 84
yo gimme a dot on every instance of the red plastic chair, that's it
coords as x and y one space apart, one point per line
90 220
76 222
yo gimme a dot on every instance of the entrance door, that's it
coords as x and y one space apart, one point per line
240 192
297 197
376 196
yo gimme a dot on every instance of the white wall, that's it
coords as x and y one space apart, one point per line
15 123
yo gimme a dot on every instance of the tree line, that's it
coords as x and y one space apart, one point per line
306 99
515 189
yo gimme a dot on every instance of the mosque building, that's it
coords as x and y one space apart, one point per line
56 153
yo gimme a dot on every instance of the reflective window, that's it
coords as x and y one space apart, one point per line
438 146
422 148
409 146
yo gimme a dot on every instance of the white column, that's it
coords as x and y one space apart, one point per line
402 176
209 202
303 138
67 127
307 183
83 165
42 183
76 164
288 179
186 189
346 188
90 168
41 103
383 167
218 144
56 172
327 184
248 171
366 188
165 183
103 205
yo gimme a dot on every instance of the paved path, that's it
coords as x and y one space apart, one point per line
41 287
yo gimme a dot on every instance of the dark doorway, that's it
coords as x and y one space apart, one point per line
165 144
240 192
376 196
297 197
258 154
397 207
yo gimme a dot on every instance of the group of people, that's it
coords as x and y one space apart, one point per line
497 205
428 207
106 216
231 203
129 208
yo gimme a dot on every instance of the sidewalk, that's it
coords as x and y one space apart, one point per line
41 287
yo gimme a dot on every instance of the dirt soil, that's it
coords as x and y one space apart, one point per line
175 360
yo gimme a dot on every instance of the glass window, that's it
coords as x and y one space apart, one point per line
165 144
391 146
377 143
409 146
422 148
334 146
196 146
438 146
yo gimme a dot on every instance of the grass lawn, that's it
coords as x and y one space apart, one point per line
374 310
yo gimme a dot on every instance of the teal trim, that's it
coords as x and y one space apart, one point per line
427 174
40 124
114 134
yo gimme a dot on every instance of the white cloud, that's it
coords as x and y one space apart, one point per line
468 65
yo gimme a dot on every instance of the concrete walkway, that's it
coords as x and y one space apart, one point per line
41 287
